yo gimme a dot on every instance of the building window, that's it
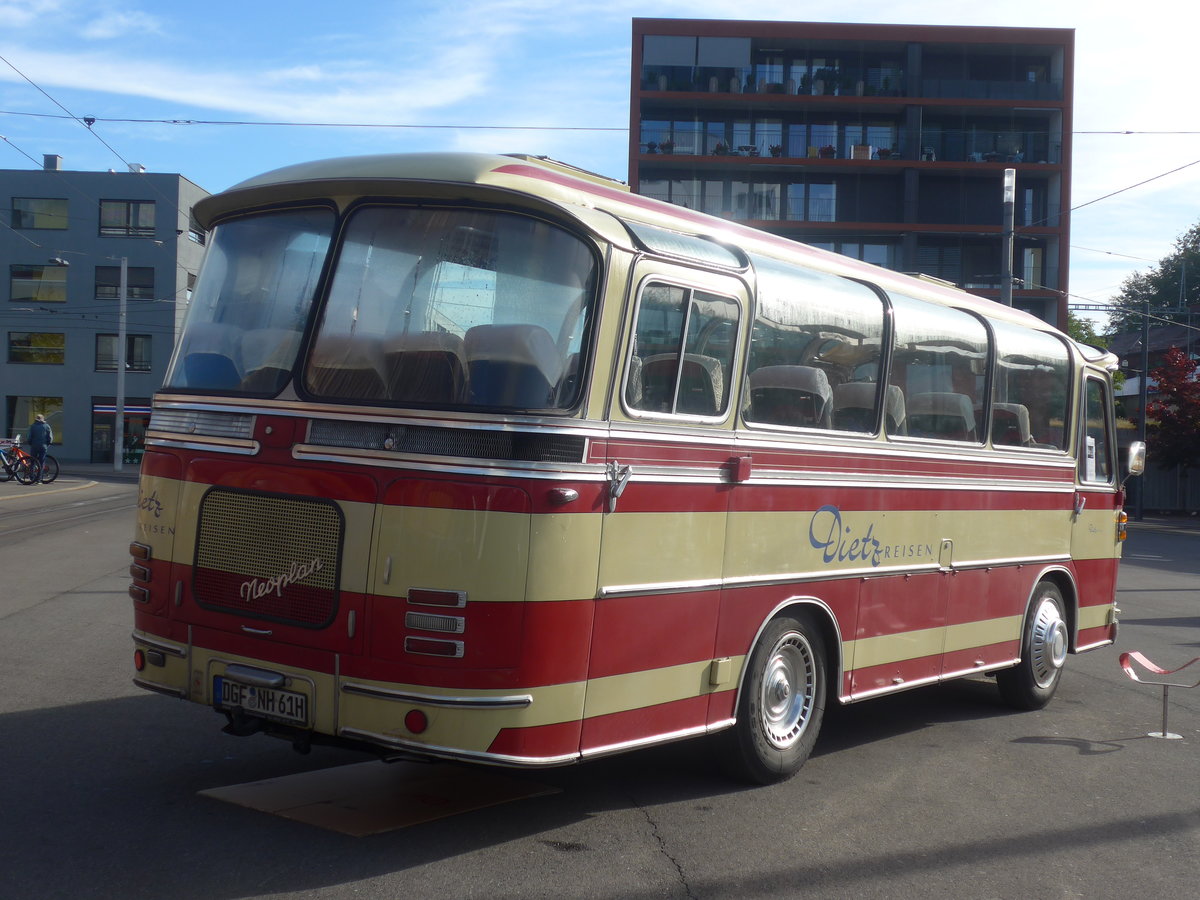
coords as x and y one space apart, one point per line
39 212
139 283
127 218
196 234
37 284
21 411
137 353
37 347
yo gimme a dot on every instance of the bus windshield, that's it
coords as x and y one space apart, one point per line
425 307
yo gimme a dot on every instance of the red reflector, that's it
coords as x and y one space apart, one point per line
139 551
426 597
139 660
139 573
140 594
415 721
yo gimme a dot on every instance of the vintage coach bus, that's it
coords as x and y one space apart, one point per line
486 458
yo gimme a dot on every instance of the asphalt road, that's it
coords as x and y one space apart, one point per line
940 792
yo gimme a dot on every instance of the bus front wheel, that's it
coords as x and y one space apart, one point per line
1032 682
782 703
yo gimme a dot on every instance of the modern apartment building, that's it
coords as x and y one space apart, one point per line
64 239
883 142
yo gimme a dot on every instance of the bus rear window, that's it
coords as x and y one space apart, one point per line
251 302
454 308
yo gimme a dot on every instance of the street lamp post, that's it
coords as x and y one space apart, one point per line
1010 198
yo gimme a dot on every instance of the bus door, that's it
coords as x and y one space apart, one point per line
667 498
1094 544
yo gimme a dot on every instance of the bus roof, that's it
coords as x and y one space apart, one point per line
571 189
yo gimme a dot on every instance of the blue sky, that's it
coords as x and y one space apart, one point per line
545 71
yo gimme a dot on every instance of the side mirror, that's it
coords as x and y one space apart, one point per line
1136 463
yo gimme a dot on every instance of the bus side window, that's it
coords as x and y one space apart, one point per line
1029 388
814 351
682 355
1095 451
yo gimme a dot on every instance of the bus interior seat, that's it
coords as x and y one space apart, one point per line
943 415
569 382
426 367
348 366
1010 425
269 354
212 356
854 405
799 396
701 384
512 365
894 412
633 383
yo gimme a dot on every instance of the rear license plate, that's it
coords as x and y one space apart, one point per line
270 703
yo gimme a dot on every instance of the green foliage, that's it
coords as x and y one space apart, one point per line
1173 416
1084 331
1160 285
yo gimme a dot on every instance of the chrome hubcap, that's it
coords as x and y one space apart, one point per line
788 689
1048 642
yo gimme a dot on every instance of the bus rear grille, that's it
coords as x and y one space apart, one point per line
269 556
461 442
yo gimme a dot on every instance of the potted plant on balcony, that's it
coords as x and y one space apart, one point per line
720 149
776 150
828 152
667 147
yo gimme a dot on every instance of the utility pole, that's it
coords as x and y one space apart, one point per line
119 411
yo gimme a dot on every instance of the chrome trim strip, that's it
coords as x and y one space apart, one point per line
160 689
711 584
662 587
469 466
976 670
608 749
1000 563
451 753
894 688
300 409
241 448
514 701
1105 643
172 649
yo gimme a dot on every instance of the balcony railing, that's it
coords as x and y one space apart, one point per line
991 90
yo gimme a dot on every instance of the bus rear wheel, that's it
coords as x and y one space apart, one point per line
782 703
1032 682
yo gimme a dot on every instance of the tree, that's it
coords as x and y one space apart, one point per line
1173 415
1175 278
1084 331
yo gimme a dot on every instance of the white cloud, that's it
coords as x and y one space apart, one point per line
118 24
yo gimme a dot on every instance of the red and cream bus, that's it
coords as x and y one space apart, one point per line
486 458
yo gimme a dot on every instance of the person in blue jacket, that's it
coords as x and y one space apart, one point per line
40 437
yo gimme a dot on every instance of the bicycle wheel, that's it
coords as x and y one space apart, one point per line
26 470
49 469
6 472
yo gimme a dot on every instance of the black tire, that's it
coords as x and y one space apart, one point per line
26 470
782 703
1044 641
49 469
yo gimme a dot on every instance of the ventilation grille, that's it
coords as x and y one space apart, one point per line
269 557
471 443
192 421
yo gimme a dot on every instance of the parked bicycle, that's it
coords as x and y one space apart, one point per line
18 464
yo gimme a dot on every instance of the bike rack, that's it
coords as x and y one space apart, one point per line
1127 661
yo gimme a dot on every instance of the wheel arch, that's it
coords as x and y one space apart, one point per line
1063 579
817 611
